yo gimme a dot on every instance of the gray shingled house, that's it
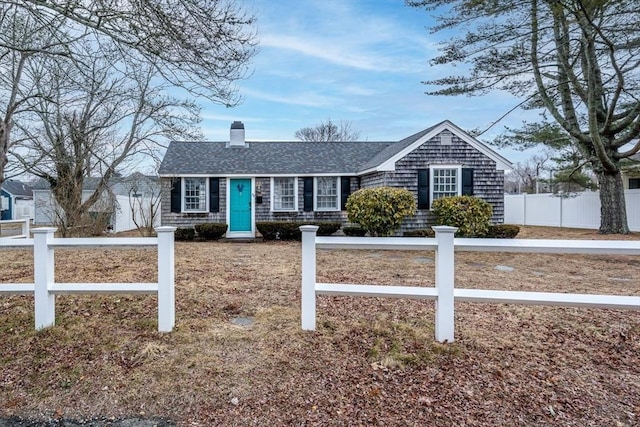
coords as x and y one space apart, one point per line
239 182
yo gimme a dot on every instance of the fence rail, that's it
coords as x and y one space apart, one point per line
45 288
444 292
24 232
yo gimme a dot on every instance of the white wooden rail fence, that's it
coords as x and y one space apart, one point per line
444 293
24 232
45 288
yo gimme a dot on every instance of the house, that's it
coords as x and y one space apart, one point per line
631 173
130 200
16 200
239 182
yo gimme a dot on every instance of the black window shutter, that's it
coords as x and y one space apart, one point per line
176 195
308 194
345 188
467 182
214 194
423 188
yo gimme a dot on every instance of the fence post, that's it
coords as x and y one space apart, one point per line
25 227
445 271
44 276
166 279
308 305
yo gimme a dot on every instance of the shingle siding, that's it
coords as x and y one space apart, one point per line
262 210
488 182
188 220
337 159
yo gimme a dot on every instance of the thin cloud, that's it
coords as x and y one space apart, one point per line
307 99
327 50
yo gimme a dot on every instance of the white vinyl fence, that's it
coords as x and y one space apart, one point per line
444 292
45 288
25 224
579 211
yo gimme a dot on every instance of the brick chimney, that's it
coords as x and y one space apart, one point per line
237 135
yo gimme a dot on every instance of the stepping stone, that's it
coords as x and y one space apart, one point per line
620 279
477 264
423 260
538 273
242 321
504 268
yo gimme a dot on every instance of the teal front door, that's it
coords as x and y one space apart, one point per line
240 205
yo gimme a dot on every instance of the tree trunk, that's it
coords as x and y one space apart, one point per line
70 200
613 210
4 148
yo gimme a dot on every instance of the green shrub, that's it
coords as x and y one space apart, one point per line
290 230
502 231
211 230
354 231
279 230
185 234
425 232
327 228
470 214
380 210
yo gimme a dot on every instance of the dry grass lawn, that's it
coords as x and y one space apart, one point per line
371 361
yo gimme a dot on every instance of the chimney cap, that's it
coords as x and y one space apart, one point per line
237 125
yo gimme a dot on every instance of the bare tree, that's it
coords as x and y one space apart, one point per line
527 177
576 60
202 47
23 39
329 131
92 121
144 202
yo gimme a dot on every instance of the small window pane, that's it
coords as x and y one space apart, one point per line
445 183
195 194
284 194
327 193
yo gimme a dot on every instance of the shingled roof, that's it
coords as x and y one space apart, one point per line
268 158
17 188
293 157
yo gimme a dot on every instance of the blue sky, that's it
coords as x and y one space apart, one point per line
356 60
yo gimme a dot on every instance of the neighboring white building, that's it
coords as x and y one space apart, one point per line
131 200
16 200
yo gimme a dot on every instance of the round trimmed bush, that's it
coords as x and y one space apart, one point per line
470 214
211 230
423 232
354 231
184 234
380 210
503 231
325 228
290 230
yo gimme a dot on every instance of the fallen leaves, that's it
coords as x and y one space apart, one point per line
372 361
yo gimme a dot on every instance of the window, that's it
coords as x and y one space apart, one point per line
284 194
195 194
445 183
634 183
327 193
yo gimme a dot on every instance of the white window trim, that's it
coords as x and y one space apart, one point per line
432 180
273 195
183 183
338 193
